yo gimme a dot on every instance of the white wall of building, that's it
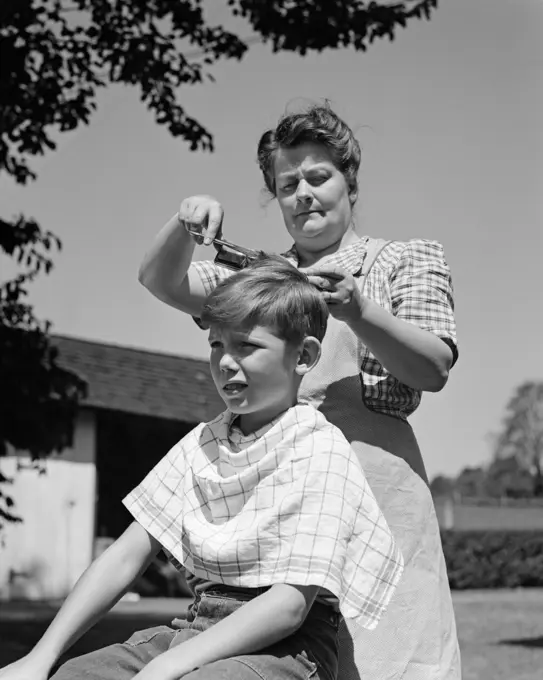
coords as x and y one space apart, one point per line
44 556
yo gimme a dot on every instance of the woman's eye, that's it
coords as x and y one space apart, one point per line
318 179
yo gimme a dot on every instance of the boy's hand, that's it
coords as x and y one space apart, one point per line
339 291
161 668
203 214
27 668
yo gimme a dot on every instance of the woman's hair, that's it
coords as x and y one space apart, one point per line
320 125
272 293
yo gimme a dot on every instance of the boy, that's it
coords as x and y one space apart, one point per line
266 507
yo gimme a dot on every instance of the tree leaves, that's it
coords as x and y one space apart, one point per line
522 433
56 61
304 25
38 398
56 54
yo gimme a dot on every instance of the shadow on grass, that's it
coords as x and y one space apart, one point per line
524 642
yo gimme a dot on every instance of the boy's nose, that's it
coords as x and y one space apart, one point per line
228 363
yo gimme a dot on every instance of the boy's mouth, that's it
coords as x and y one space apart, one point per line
232 389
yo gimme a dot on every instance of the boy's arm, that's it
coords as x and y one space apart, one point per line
261 622
98 589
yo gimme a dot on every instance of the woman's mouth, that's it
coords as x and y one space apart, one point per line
309 215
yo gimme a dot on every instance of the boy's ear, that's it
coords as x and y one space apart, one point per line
310 353
353 196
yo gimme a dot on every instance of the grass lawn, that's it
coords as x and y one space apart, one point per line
501 632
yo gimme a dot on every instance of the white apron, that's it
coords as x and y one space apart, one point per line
416 638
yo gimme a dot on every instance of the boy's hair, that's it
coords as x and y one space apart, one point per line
270 292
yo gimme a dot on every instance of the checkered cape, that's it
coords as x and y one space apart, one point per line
412 281
292 507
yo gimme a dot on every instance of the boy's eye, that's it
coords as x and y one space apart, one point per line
214 344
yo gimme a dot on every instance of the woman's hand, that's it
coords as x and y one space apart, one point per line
339 291
203 214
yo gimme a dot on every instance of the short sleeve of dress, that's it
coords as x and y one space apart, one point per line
210 275
422 291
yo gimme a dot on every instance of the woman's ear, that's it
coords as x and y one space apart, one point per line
309 355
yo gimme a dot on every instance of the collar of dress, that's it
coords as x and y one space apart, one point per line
350 258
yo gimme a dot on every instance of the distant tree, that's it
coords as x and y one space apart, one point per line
516 468
471 482
506 478
521 436
442 486
54 57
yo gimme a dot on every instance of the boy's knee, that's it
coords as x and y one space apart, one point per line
71 670
257 667
109 663
225 669
120 661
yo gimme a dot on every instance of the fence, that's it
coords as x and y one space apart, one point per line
488 514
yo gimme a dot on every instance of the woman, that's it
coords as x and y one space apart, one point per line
391 337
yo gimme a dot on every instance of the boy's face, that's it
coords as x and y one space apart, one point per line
255 373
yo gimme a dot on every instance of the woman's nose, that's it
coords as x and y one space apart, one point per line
303 192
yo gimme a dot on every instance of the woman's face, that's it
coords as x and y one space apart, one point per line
313 196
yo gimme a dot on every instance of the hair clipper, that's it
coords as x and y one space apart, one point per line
231 255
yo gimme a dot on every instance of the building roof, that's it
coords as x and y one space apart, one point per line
140 381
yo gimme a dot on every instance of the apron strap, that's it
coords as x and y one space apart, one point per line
373 250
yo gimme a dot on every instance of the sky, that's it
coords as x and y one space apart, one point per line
449 119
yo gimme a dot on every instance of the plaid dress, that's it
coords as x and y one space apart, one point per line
416 637
291 507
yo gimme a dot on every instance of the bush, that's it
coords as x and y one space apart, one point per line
494 559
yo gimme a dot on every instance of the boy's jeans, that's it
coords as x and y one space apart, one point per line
310 653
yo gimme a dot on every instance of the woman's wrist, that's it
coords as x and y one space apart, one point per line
179 222
181 230
357 315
